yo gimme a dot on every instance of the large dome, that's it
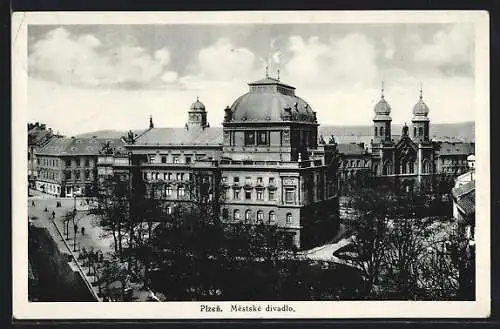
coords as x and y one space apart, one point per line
271 100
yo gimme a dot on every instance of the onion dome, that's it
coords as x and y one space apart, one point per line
271 100
197 106
420 110
382 108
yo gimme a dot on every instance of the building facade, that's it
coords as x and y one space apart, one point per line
67 167
38 136
409 161
265 164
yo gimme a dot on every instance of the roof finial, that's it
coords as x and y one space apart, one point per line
267 71
420 90
197 99
382 90
278 74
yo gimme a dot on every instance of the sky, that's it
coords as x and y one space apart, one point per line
85 78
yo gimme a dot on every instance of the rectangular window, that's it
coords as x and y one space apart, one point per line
188 159
236 194
259 180
262 138
168 190
77 175
38 161
68 163
165 176
289 195
87 163
248 180
224 179
78 162
163 159
169 210
145 175
248 195
260 195
182 176
180 191
271 180
272 195
176 159
152 158
169 176
236 179
249 138
178 176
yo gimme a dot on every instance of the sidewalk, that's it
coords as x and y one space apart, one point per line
93 239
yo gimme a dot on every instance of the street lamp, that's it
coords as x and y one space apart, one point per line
74 224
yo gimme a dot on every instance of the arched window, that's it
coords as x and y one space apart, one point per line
420 131
272 217
376 131
247 216
289 218
403 167
236 214
260 216
411 167
387 168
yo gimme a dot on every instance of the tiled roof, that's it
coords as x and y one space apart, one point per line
447 148
468 203
36 136
350 149
79 146
463 189
181 136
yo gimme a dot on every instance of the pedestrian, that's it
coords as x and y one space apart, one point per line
83 231
33 203
46 210
53 214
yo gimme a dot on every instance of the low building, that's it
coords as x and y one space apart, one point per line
67 167
38 136
451 158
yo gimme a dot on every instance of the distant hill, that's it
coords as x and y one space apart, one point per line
463 131
104 134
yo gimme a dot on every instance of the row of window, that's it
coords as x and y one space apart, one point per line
249 216
77 175
248 180
167 176
354 163
47 162
175 159
249 193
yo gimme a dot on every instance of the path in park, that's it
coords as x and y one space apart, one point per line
93 238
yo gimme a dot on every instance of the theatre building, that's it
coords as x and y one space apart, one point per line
265 163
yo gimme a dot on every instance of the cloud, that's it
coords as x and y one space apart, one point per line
390 48
85 61
451 46
223 61
347 60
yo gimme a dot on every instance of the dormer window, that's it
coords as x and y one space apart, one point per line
249 138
